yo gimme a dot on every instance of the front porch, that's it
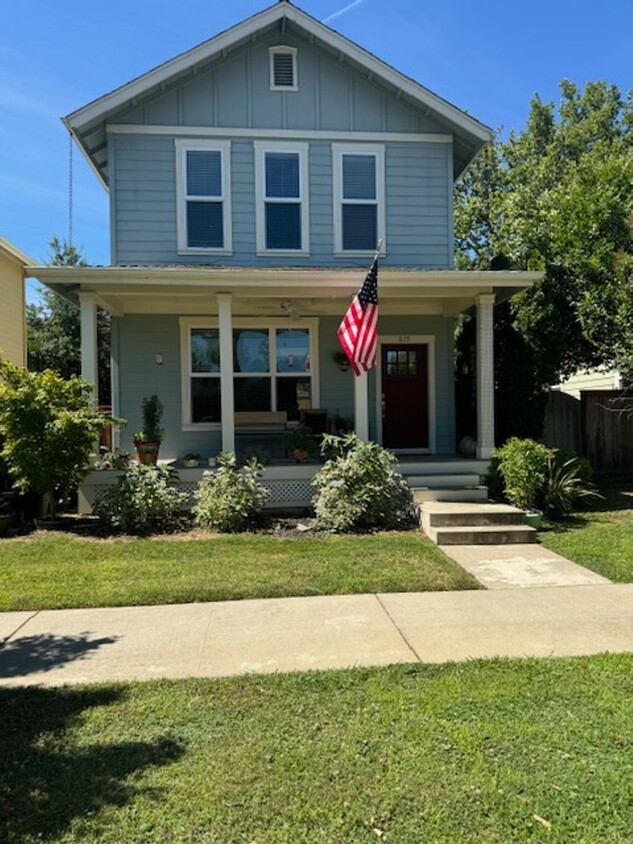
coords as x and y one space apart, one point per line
451 478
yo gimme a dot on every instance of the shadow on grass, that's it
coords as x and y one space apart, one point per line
48 780
30 654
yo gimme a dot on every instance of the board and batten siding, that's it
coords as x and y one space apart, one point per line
139 338
418 191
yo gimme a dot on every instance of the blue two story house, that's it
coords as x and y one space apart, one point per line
250 180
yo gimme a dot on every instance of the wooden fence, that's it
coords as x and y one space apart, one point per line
607 429
563 427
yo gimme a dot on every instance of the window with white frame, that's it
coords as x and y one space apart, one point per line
283 69
359 204
204 207
272 369
282 197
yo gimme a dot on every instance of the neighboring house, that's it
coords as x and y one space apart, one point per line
250 179
13 311
590 379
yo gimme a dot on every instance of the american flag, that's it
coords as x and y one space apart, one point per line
358 332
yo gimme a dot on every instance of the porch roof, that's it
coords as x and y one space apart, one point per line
187 288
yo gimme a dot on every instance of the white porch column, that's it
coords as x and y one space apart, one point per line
225 325
88 333
485 376
361 412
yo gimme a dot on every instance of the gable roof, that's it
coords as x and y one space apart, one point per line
10 250
88 124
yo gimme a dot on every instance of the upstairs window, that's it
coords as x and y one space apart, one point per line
359 208
283 69
204 211
282 200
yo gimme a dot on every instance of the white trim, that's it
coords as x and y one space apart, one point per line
227 399
277 134
303 200
88 332
268 323
338 151
404 340
183 146
214 47
286 51
361 406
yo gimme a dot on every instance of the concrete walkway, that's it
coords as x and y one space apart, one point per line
236 637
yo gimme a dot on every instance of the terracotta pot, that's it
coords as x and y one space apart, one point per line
300 456
147 452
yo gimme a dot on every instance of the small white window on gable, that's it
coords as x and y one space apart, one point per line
204 203
283 69
359 198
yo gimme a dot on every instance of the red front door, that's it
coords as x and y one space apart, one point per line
405 401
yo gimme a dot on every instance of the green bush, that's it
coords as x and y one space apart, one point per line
358 488
49 427
230 497
566 484
523 464
145 500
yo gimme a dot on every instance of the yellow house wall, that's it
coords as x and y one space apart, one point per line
12 317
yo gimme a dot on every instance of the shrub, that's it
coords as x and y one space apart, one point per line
566 484
144 500
523 464
230 497
49 426
358 488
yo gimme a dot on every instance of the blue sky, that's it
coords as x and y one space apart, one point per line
488 58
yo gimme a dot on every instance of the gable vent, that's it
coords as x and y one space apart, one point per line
283 69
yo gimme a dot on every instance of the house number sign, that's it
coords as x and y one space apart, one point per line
404 338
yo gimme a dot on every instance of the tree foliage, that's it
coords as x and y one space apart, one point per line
48 427
558 197
54 334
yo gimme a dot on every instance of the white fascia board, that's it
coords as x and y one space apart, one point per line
10 250
99 109
257 277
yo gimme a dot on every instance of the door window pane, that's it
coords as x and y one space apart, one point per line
293 350
250 350
205 350
205 399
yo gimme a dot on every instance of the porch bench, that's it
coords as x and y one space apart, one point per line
257 431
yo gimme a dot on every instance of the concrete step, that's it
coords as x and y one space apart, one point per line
436 514
482 535
447 480
437 466
451 493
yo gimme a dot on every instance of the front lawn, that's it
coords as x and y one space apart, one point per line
599 538
52 571
503 752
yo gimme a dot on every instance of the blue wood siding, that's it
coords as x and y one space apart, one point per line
234 93
141 337
417 191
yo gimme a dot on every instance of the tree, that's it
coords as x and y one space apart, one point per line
48 426
558 197
54 327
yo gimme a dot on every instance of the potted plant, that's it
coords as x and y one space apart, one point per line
147 441
341 360
300 443
190 460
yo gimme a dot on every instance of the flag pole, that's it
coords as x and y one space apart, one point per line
378 248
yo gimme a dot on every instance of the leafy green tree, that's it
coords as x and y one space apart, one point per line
558 197
48 427
54 327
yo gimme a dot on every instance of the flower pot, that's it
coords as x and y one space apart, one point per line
147 452
534 518
299 455
191 463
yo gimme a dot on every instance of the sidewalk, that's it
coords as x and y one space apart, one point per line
296 634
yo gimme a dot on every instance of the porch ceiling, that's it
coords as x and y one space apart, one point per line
187 289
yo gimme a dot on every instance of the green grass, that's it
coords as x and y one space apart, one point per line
501 752
55 571
600 538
